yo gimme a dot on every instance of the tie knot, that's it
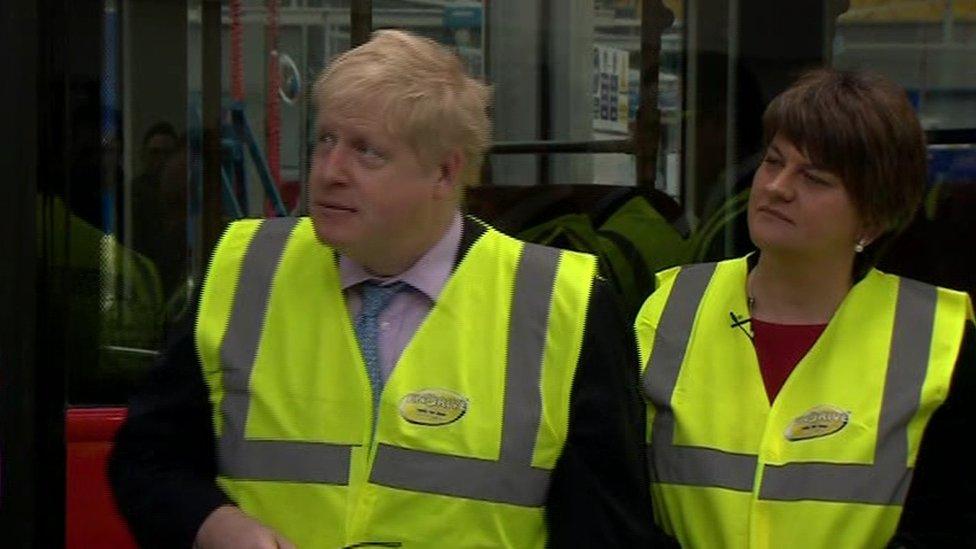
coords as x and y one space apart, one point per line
376 297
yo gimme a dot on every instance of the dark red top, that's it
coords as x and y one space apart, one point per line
780 347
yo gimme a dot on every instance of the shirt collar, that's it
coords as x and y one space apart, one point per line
428 275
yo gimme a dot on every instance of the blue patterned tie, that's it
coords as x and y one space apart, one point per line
375 299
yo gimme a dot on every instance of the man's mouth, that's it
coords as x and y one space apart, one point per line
330 205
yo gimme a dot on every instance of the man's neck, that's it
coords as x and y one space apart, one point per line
396 260
798 290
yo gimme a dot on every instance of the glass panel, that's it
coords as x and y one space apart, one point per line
270 55
134 208
924 46
741 54
459 24
615 87
570 72
928 48
114 226
131 221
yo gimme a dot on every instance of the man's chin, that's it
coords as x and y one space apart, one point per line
332 234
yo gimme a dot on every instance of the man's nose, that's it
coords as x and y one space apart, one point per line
334 162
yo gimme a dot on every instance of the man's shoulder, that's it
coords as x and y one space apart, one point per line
475 228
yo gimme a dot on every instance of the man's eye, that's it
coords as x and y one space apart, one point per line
370 154
772 160
327 139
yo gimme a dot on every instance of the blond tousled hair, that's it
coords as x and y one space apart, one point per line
424 93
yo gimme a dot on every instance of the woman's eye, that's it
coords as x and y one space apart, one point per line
816 179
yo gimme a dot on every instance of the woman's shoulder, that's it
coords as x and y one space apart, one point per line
700 273
944 293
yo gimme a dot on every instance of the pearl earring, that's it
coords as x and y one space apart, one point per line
859 247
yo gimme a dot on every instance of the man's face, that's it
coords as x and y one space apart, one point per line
158 149
369 193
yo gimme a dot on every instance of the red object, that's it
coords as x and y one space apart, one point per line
92 519
291 194
290 191
273 103
780 347
236 52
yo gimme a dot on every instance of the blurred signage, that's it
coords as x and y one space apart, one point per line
611 100
952 164
908 11
462 16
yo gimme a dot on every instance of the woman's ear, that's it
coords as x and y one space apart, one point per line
869 233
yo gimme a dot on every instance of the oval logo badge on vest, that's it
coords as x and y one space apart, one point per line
433 407
818 421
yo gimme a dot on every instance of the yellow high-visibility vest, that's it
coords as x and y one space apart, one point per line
829 462
470 423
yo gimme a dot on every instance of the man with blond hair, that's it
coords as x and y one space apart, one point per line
387 372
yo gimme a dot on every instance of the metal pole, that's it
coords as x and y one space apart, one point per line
947 22
486 175
731 130
303 159
545 105
210 214
360 22
624 146
655 17
29 40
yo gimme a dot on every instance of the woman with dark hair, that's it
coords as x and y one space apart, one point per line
797 397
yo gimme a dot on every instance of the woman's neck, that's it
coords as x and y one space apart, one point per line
792 290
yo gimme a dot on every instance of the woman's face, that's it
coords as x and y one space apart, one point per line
799 208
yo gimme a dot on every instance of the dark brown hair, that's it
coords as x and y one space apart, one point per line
861 127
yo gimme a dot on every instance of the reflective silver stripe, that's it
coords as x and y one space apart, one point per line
847 482
885 481
262 459
284 461
684 464
498 481
511 479
673 332
529 321
702 467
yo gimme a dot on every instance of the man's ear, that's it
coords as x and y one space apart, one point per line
449 174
